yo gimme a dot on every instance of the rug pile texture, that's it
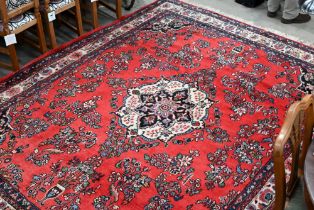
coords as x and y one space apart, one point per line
173 107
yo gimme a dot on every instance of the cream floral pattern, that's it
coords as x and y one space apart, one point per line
164 109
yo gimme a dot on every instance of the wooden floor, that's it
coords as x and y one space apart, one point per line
26 53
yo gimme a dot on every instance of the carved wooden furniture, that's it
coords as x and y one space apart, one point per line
297 129
59 6
16 17
309 177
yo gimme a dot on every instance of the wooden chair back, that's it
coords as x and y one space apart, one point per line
75 4
5 15
94 10
61 9
297 129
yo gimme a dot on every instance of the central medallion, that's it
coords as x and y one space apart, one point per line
163 110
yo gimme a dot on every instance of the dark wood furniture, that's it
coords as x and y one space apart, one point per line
92 7
94 10
117 9
59 6
309 177
297 129
126 4
16 18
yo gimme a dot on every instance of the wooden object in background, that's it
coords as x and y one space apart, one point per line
298 128
16 19
59 6
127 5
117 9
94 10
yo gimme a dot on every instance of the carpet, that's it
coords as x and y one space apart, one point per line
172 107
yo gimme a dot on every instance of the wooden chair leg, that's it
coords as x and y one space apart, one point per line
78 16
59 19
41 35
280 178
51 31
94 9
13 57
52 35
119 8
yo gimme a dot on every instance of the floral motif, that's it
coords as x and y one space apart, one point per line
219 157
66 141
218 135
189 56
95 71
5 121
262 126
225 201
217 176
307 80
158 202
115 144
194 187
70 86
86 111
29 126
248 152
168 188
282 90
131 181
11 148
76 175
100 202
13 173
70 201
58 118
178 165
121 60
232 54
163 110
209 203
241 175
240 106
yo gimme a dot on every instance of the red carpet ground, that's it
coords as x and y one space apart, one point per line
173 107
